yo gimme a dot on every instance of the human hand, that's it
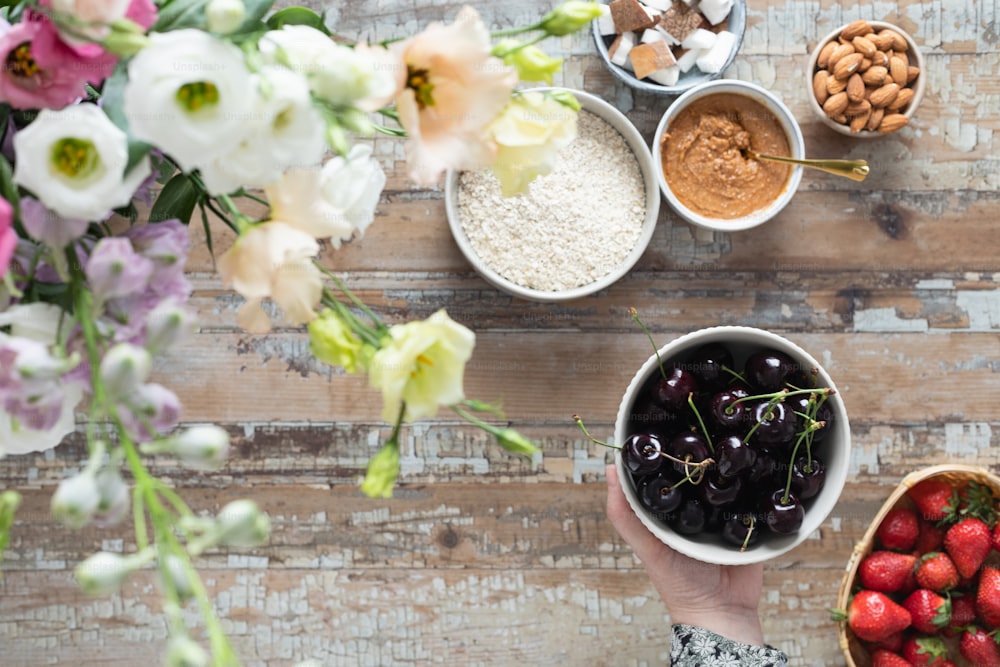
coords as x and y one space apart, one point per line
720 598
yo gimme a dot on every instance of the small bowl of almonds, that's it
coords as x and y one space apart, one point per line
867 79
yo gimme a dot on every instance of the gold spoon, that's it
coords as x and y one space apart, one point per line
856 170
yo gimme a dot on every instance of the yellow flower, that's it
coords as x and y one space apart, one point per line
570 16
454 89
383 469
530 133
422 364
273 260
332 341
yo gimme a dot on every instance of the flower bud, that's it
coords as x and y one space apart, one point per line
151 409
76 500
166 325
202 447
531 63
383 469
175 570
185 652
114 269
124 41
103 573
332 341
514 442
123 368
225 16
114 503
242 524
570 16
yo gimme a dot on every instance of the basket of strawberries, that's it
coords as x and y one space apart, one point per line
922 587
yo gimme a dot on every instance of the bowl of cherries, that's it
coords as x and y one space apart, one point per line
733 444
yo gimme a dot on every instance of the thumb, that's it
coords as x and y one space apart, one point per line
623 518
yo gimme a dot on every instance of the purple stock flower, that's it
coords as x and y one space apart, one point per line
48 227
152 410
31 382
115 270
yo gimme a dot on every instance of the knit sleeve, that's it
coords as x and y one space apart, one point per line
697 647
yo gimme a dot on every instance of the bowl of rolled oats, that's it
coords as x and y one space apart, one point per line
576 230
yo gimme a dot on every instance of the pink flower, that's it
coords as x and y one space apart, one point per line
27 84
454 89
8 237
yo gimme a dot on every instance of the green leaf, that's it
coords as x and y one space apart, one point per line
177 200
113 105
178 14
297 16
256 11
8 190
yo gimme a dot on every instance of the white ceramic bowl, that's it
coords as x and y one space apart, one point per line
742 341
781 113
919 85
737 24
635 141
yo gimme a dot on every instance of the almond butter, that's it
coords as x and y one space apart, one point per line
855 88
819 86
824 54
912 72
881 97
892 122
898 42
856 29
904 97
840 51
874 119
875 75
864 46
859 123
847 66
834 86
897 70
836 104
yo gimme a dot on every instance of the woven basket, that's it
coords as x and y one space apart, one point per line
855 652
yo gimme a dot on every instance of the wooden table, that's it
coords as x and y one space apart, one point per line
482 558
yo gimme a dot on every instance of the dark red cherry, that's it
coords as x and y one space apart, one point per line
661 492
672 392
777 423
824 414
769 370
783 514
687 446
650 417
727 415
718 491
733 457
808 477
741 529
709 363
641 453
690 518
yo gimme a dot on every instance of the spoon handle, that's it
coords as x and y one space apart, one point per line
856 170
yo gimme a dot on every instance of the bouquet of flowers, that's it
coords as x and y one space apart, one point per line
125 120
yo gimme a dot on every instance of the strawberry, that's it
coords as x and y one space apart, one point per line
935 498
873 616
963 613
886 571
936 571
925 651
899 529
988 597
929 612
968 543
883 658
979 648
893 643
996 536
930 538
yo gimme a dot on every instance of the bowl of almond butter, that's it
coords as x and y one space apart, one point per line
867 79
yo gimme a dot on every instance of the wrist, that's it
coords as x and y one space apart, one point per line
741 625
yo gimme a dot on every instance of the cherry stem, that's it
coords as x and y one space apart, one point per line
746 540
579 422
783 394
697 414
795 450
767 415
738 376
635 316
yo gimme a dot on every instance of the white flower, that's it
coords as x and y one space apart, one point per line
273 260
93 17
362 77
74 161
189 94
16 438
76 500
103 573
332 202
284 129
123 368
422 364
38 321
225 16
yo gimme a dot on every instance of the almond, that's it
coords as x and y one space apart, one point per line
839 51
834 86
859 123
880 59
902 56
898 42
892 122
855 88
875 119
824 55
897 70
904 97
883 96
865 64
819 86
847 66
875 75
864 46
882 41
835 105
912 72
858 108
856 29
